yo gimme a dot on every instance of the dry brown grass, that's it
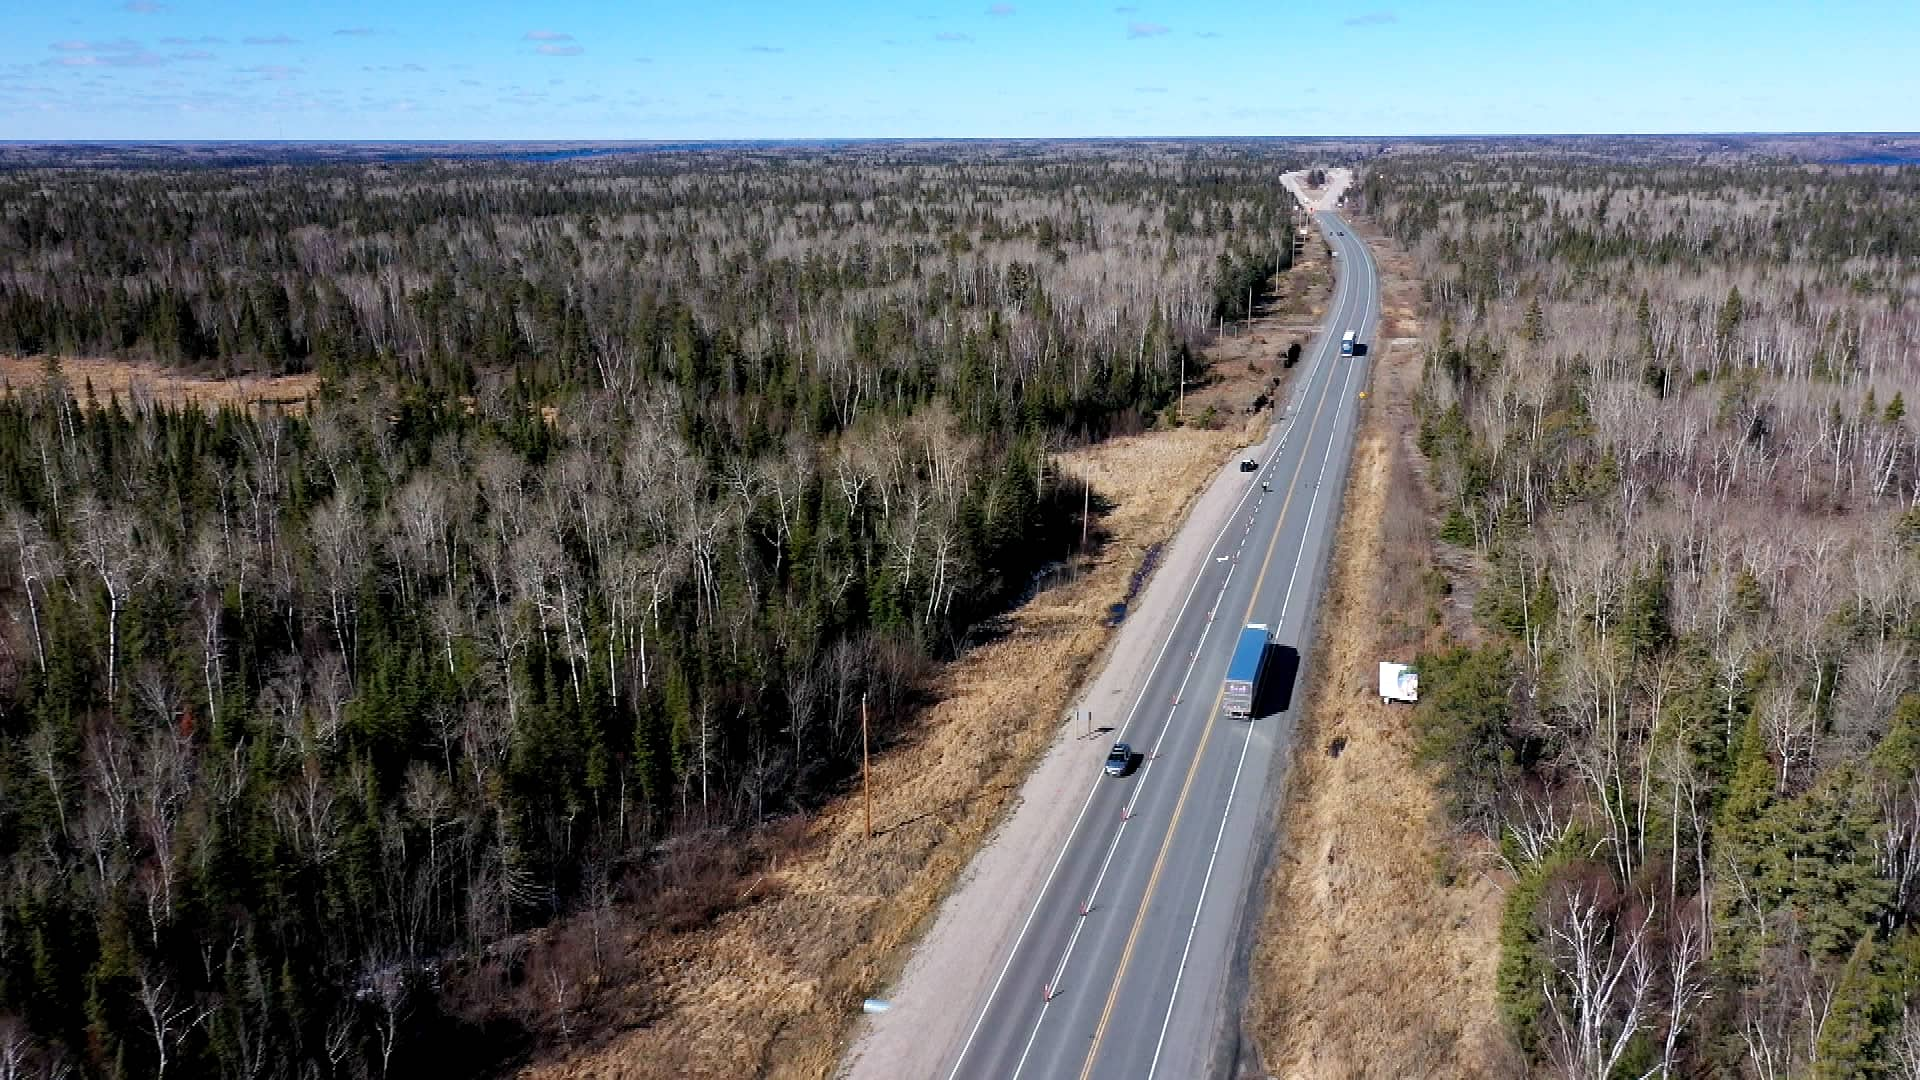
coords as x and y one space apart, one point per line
130 381
1378 945
773 986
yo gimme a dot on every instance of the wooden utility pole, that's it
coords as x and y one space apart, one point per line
1086 507
866 791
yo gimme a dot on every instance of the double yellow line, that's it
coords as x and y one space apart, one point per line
1180 806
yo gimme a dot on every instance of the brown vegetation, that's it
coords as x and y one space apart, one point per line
135 383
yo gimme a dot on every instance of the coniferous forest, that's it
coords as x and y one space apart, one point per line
627 483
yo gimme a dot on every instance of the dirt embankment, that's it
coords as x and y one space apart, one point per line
1378 945
133 382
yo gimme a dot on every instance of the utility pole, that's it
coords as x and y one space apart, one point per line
1086 507
1183 384
866 791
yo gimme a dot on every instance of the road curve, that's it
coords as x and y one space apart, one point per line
1125 964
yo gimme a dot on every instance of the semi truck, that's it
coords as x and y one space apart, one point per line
1243 673
1347 342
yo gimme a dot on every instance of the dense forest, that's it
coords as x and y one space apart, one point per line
630 485
1666 418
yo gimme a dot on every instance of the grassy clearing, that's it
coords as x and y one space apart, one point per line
129 382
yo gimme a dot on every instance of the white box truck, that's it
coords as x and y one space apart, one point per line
1398 682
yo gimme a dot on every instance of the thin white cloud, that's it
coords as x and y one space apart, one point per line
270 39
765 49
99 54
354 31
1001 10
1147 30
143 7
204 39
1149 89
271 72
953 37
559 50
548 35
120 45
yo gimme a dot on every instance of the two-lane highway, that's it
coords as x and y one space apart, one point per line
1125 964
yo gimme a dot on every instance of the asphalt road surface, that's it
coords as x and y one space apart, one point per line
1130 962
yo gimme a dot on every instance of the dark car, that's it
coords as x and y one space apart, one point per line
1248 464
1119 759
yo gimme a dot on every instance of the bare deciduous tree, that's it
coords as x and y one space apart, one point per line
169 1020
1600 992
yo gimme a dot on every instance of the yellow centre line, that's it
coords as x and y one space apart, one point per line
1180 806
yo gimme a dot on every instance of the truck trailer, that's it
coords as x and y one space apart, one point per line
1347 341
1244 672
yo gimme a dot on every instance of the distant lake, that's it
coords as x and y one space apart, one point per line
1902 157
569 155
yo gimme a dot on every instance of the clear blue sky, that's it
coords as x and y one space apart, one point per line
640 69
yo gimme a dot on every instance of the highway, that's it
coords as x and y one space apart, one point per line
1131 961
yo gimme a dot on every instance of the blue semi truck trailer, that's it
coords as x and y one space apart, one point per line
1244 672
